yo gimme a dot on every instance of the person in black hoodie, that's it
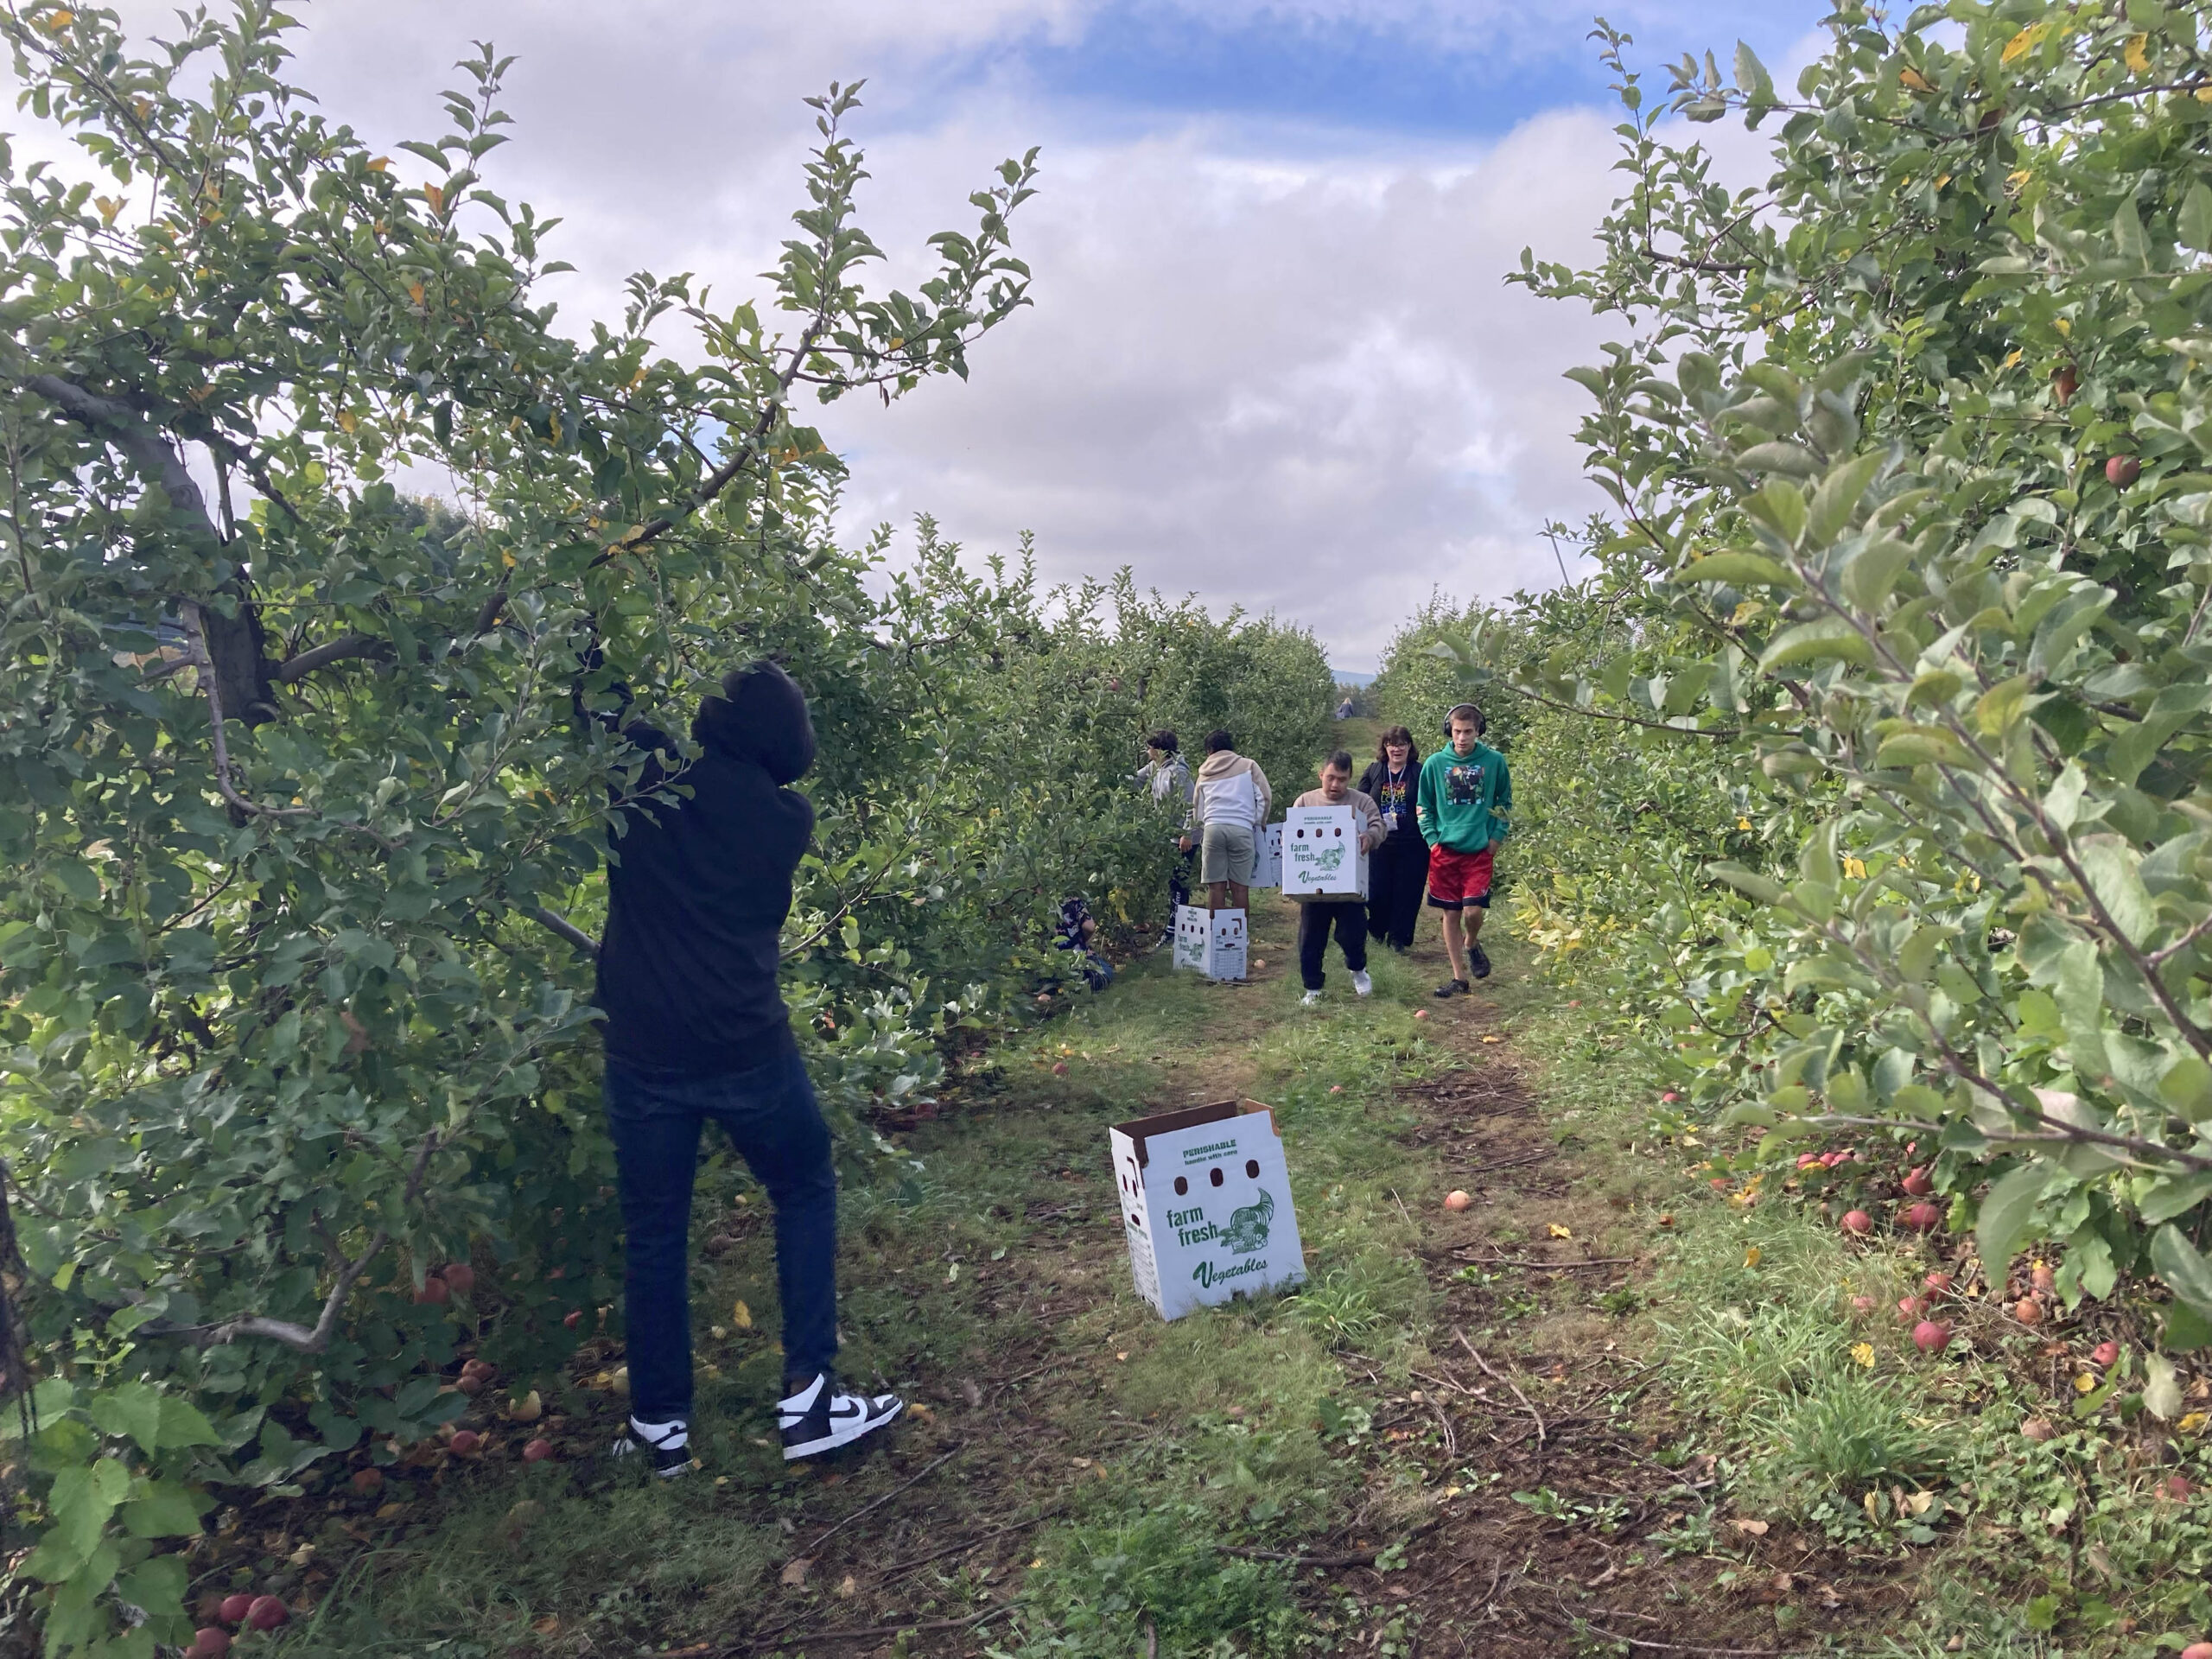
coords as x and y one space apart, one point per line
1397 871
698 887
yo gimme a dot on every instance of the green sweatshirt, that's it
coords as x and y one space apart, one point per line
1464 801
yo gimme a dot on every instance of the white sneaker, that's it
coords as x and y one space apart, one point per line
818 1419
1362 985
1310 999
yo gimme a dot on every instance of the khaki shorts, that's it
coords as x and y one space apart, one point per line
1225 854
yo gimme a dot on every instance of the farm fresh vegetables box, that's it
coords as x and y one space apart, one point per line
1267 856
1205 1203
1212 941
1321 855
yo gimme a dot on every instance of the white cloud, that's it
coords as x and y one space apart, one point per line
1274 365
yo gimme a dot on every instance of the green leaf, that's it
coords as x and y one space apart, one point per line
1748 882
1738 570
1790 460
133 1409
183 1425
2002 1222
2080 994
2184 1270
1837 499
1829 639
168 1508
2175 1196
2194 222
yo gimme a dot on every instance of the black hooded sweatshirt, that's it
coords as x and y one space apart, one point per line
697 891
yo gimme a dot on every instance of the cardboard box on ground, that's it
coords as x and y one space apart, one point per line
1321 855
1205 1204
1211 942
1267 856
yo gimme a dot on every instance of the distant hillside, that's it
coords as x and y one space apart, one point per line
1347 677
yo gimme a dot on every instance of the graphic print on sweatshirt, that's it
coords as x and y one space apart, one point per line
1463 785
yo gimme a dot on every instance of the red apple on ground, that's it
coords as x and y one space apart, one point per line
465 1442
1719 1183
1922 1219
2198 1650
368 1482
2028 1311
575 1317
2043 1278
1912 1308
1059 1068
234 1608
538 1451
267 1614
1421 1013
2178 1487
482 1368
1666 1220
1810 1161
1931 1337
433 1290
1862 1306
2037 1429
1937 1283
2121 471
209 1642
460 1277
1858 1222
1455 1200
1918 1185
470 1386
2104 1353
1669 1097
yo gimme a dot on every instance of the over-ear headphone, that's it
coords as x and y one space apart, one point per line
1458 708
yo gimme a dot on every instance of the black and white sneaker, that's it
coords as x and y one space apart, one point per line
818 1419
1478 963
667 1444
1451 987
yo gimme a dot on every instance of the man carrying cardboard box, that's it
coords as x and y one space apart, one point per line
1464 803
1347 915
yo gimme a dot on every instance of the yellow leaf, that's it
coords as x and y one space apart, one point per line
1751 1256
2085 1383
2137 54
2191 1423
1743 823
507 559
1920 1503
741 1316
1862 1353
436 198
1756 1528
380 164
1558 1231
2012 361
2205 94
109 206
1855 868
1914 78
1493 1040
414 292
2064 325
58 21
348 420
2023 43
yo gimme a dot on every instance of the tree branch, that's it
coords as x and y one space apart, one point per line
555 922
293 669
212 690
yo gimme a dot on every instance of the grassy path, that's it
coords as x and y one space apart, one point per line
1512 1430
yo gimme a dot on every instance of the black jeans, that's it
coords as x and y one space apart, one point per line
770 1115
1178 883
1315 917
1397 875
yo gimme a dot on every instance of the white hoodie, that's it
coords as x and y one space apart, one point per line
1230 790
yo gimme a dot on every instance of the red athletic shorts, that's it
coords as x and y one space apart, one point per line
1458 880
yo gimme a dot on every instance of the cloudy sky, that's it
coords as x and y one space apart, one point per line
1271 359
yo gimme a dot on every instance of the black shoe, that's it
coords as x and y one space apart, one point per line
818 1419
1478 963
669 1460
1452 988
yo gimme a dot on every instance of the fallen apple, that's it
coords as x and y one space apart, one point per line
2120 471
2028 1311
1455 1200
209 1642
538 1451
1858 1222
1862 1306
470 1386
1421 1013
460 1276
575 1317
2042 1277
2198 1650
1922 1217
528 1410
1937 1283
1336 1088
235 1608
2037 1429
2104 1353
1931 1337
1059 1068
2178 1487
433 1290
367 1482
1912 1308
1669 1099
1810 1161
267 1614
1719 1183
1918 1185
1259 961
465 1442
480 1368
1665 1219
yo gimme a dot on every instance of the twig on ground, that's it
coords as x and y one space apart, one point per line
1547 1267
1444 1421
1357 1558
1516 1163
878 1503
1499 1376
1151 1641
867 1632
904 1567
1403 1210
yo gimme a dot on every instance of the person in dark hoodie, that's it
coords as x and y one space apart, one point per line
697 891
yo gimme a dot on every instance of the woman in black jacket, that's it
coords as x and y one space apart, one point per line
1397 871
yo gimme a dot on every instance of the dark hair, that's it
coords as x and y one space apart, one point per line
1340 762
1162 740
1217 741
1396 735
1460 709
